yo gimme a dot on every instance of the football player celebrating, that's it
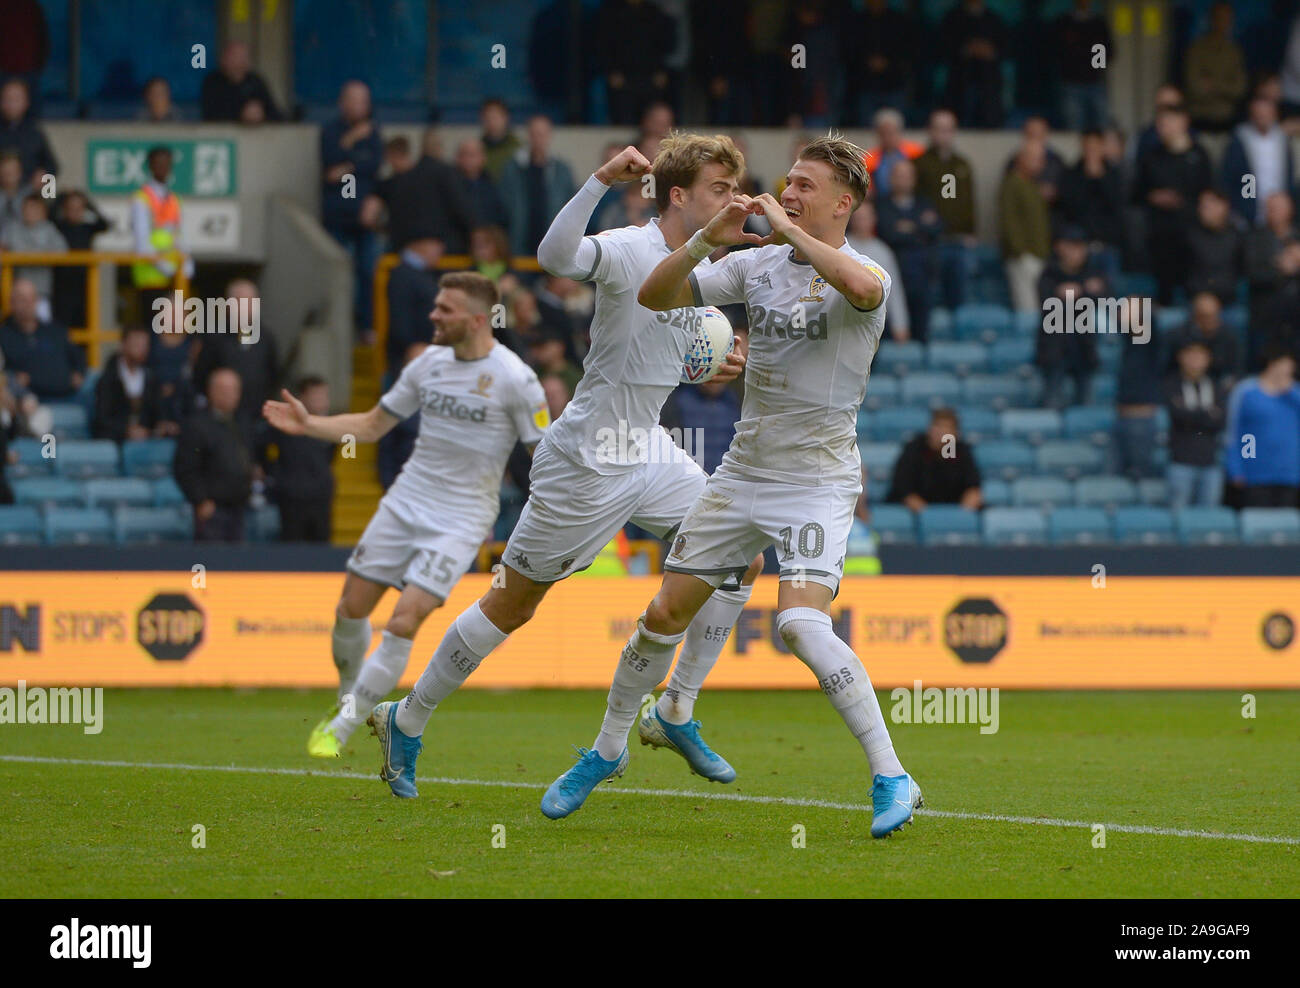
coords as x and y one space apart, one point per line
792 476
588 480
476 399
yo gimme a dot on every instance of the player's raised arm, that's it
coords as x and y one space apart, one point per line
292 418
667 286
565 251
855 282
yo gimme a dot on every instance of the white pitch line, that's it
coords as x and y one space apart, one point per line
821 804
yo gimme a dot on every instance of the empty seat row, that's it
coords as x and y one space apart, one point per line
27 524
82 458
931 389
97 491
1095 423
969 357
1143 525
1009 459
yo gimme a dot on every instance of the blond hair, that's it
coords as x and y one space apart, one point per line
474 285
847 161
681 156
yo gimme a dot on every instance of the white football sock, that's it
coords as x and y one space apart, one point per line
705 637
350 641
642 666
808 633
467 642
379 677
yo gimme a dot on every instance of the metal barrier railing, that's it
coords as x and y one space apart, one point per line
93 335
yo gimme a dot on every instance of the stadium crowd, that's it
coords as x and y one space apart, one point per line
1149 215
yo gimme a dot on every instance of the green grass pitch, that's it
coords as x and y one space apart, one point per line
1187 765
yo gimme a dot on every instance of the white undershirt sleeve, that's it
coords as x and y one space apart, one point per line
564 251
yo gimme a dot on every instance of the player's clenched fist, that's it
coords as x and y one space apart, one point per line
626 166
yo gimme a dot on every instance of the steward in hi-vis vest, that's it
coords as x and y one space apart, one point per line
156 226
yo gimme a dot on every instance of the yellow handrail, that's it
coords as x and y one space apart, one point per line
379 305
92 335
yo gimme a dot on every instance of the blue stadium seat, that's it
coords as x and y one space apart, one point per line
1025 325
883 391
862 541
1206 526
898 358
1107 491
863 424
148 457
1108 352
85 458
1014 526
1170 319
976 321
949 524
1070 458
68 420
1235 320
1104 388
1270 526
996 390
877 491
941 323
1079 526
20 524
47 490
263 524
1136 284
996 492
931 389
1144 525
1093 422
878 459
1005 458
893 524
166 492
174 524
78 526
1031 424
1154 491
896 424
109 491
978 424
1041 492
960 358
30 461
1010 355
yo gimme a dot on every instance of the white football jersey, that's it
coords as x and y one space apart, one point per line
635 360
471 414
810 353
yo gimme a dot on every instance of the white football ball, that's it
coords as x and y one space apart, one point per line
713 341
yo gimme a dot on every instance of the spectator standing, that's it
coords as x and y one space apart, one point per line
1138 395
214 461
863 238
1205 326
1062 351
19 133
1196 417
35 233
485 201
1214 249
634 39
234 92
946 178
1273 268
1214 73
128 397
156 229
1082 73
12 189
972 43
426 202
535 185
80 222
156 103
1168 180
499 142
397 155
300 469
705 417
891 148
1035 130
1263 435
937 467
37 352
412 288
910 225
172 357
1262 149
250 353
351 153
547 354
489 251
1092 197
1025 227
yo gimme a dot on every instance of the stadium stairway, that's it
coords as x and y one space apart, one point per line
356 481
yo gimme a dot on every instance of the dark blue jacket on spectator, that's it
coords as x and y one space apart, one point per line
411 291
366 155
1141 371
47 356
175 378
395 448
1274 422
1236 166
691 407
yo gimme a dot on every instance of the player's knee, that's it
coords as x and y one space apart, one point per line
348 610
403 624
665 617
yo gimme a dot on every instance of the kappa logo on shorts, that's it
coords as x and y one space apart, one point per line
679 546
520 560
567 563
